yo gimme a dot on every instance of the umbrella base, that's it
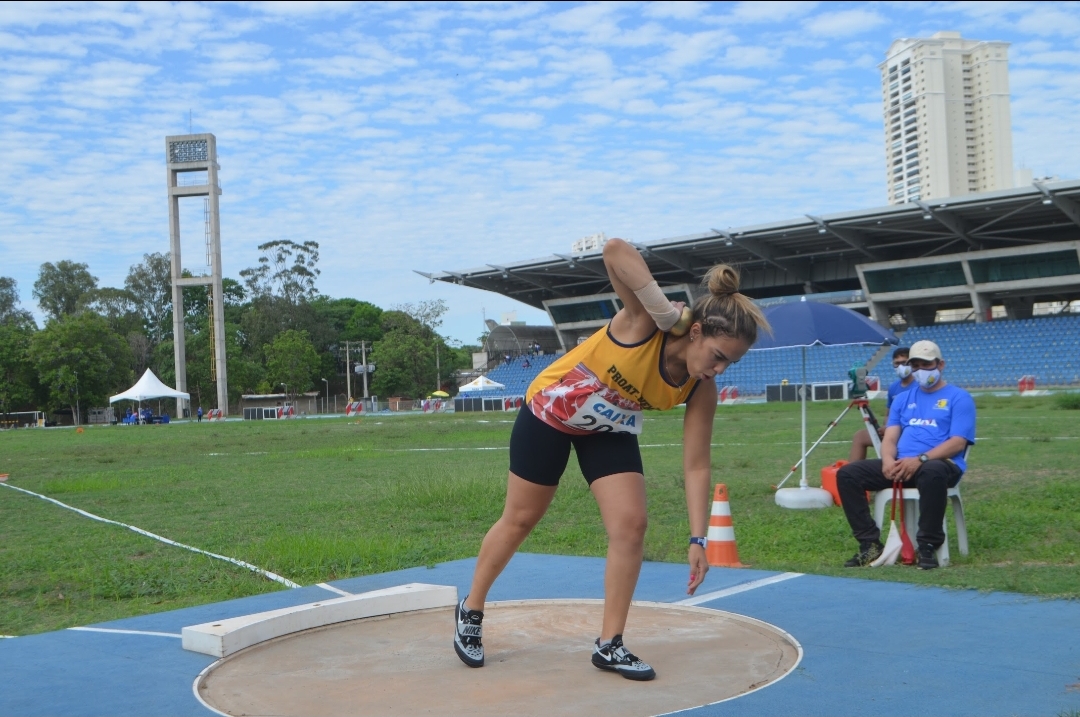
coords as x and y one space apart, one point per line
802 498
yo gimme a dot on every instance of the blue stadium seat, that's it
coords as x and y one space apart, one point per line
996 354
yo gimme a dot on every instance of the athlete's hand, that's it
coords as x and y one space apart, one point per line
699 565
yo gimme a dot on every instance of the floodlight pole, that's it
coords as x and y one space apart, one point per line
186 154
327 406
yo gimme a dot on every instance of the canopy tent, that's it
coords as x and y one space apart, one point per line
481 383
804 324
147 387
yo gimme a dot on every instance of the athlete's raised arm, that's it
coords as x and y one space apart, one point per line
645 308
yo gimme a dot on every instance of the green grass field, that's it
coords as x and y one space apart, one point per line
318 500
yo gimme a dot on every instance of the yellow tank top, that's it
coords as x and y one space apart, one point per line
603 386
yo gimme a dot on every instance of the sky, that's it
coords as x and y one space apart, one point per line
432 137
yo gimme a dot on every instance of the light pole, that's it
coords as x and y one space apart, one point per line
327 405
286 387
77 409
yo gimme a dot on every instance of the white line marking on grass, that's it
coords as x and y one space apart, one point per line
266 573
435 450
752 585
333 589
125 632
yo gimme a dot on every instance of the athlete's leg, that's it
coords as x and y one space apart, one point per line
621 497
860 442
526 504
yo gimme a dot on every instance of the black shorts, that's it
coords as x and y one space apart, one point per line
538 452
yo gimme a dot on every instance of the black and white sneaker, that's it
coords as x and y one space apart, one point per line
467 642
615 657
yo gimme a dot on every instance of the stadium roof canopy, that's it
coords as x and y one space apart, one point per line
816 252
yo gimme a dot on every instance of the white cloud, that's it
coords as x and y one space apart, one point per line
752 57
844 23
770 11
513 120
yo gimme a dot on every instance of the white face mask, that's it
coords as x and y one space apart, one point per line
927 378
903 371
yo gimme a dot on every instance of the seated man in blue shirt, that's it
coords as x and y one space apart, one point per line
861 441
928 433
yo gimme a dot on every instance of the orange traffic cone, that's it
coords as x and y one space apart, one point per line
721 551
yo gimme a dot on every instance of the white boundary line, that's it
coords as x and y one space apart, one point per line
266 573
195 686
125 632
333 589
736 589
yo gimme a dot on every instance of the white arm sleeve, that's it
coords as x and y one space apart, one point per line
659 306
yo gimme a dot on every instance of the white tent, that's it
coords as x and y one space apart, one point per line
147 387
481 383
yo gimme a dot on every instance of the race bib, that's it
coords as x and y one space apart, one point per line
581 403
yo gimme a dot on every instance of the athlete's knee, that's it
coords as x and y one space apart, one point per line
630 528
521 519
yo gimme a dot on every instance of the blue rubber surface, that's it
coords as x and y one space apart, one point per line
871 648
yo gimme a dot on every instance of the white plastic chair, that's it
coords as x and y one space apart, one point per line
911 518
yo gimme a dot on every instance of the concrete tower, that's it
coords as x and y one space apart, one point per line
947 126
193 172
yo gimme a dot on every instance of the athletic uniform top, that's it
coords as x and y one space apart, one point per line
897 387
603 386
927 420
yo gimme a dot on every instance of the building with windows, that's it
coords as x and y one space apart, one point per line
947 127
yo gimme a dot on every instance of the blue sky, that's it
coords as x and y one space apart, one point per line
445 136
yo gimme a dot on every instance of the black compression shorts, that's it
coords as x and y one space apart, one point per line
539 453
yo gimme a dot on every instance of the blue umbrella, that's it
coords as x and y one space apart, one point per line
811 323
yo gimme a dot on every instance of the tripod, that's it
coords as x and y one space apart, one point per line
869 420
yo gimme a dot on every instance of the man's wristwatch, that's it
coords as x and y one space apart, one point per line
923 458
703 542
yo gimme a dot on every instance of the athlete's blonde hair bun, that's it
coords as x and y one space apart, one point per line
722 280
724 311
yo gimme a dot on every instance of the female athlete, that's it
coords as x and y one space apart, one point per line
653 355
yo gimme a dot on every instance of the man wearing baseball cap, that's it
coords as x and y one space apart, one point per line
927 435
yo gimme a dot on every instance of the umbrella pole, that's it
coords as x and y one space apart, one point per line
802 482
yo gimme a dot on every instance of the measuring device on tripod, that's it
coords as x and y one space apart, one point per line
858 401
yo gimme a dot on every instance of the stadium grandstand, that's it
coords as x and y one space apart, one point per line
994 278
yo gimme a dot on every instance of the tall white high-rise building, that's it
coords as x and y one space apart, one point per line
947 125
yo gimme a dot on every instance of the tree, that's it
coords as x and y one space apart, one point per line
18 380
117 306
286 270
365 324
64 288
10 313
291 360
427 313
406 354
405 365
80 356
150 287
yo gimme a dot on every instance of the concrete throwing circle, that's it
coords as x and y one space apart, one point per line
537 663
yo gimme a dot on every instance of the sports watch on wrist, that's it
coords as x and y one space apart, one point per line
923 458
703 542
